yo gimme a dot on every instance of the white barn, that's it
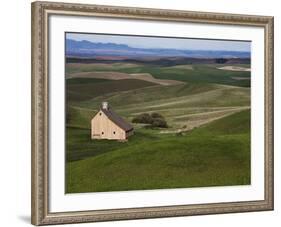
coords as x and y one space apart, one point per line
106 124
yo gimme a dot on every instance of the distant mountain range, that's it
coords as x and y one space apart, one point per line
87 49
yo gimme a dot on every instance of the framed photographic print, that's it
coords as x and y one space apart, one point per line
146 113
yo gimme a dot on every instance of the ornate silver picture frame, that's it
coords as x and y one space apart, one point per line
41 68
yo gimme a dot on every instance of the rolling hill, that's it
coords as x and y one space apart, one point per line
207 110
193 73
213 155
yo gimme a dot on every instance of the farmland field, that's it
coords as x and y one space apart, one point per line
207 142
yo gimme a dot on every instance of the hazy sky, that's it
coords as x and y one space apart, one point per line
173 43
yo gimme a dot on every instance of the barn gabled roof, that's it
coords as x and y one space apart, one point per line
114 117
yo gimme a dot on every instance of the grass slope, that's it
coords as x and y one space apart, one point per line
212 155
195 73
81 89
217 153
175 103
162 96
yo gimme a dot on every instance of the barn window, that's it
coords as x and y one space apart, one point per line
100 114
114 132
102 132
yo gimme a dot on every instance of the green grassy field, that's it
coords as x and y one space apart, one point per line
98 87
213 155
207 142
196 73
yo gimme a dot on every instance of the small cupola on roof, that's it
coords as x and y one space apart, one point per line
104 105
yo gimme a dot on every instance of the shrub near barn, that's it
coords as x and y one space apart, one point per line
154 120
